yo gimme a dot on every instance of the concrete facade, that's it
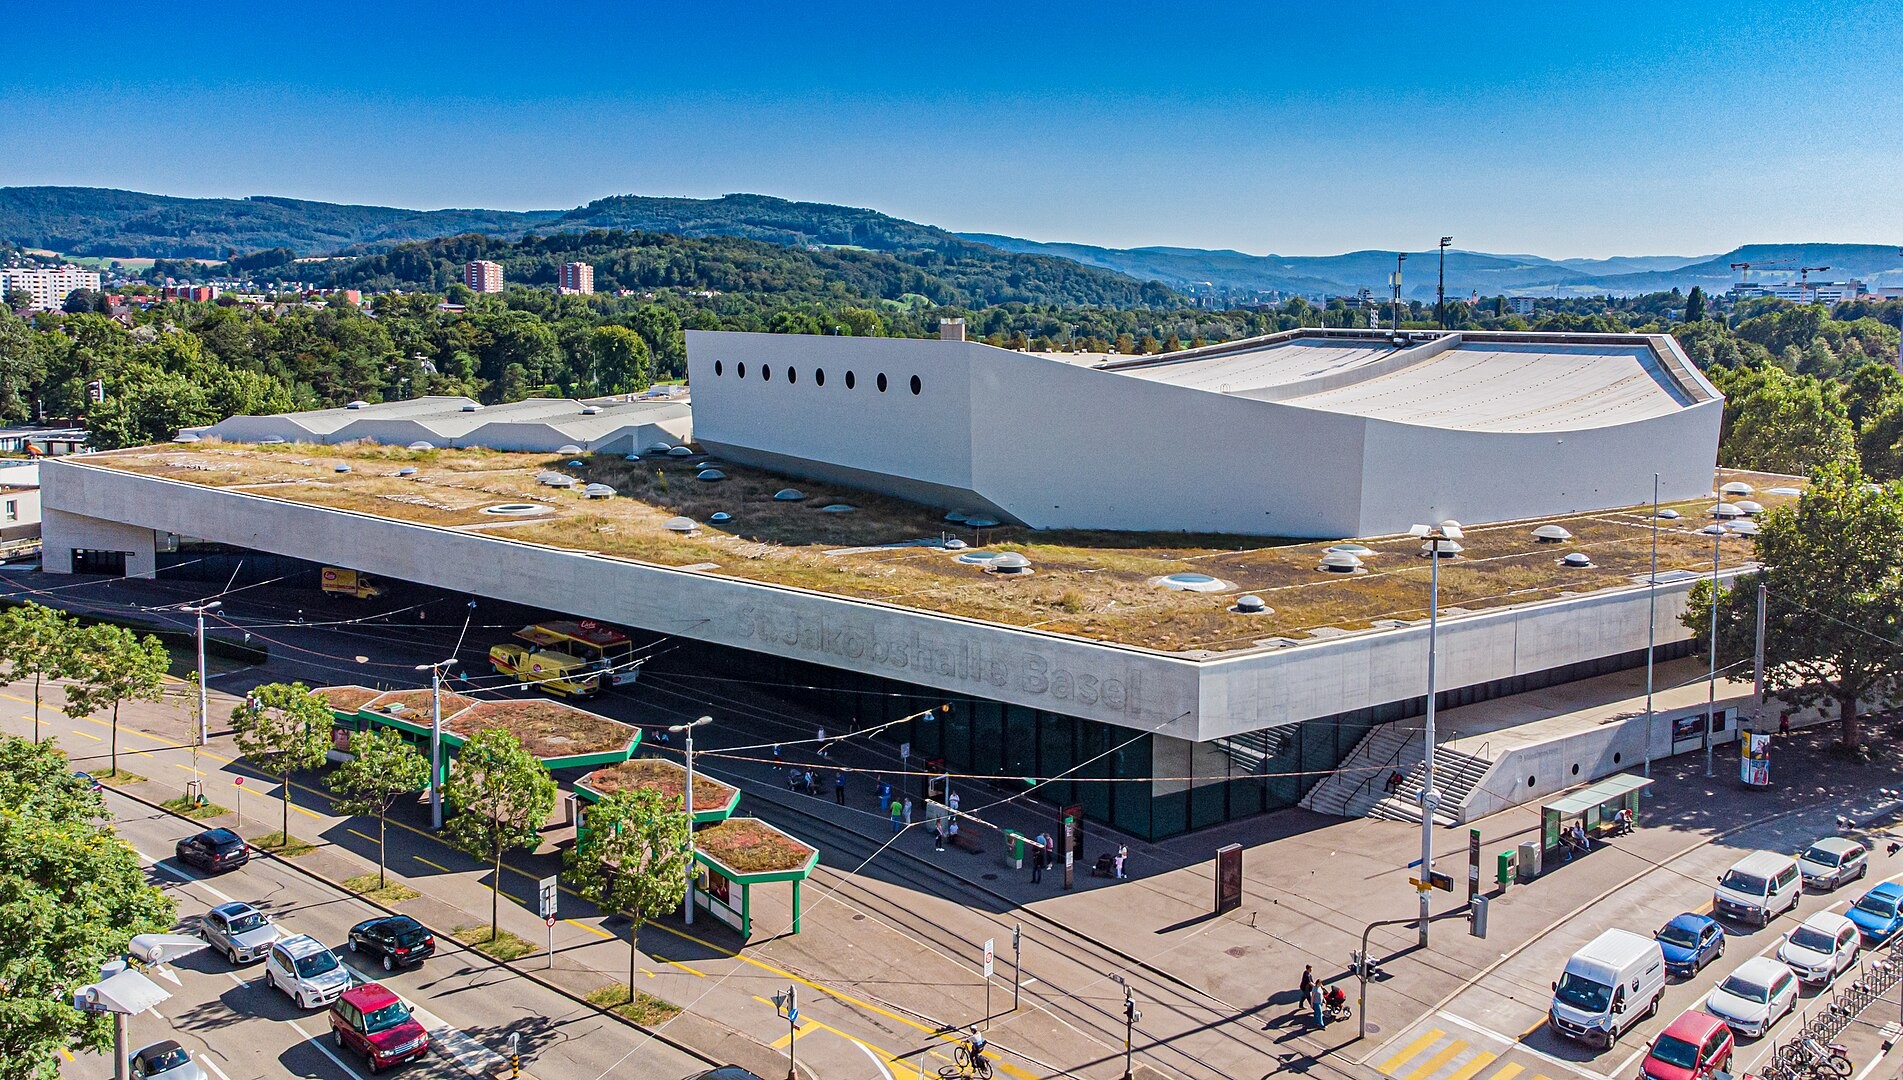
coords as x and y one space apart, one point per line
545 425
1310 453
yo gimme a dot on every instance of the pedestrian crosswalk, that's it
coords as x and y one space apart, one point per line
1434 1055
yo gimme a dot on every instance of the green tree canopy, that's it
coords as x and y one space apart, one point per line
108 665
281 728
1782 423
382 768
501 796
35 641
633 860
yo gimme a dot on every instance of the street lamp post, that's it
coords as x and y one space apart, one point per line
204 723
1440 291
436 671
1131 1014
1651 625
1435 535
1717 533
1395 280
691 875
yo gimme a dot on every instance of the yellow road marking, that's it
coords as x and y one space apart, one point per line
84 735
438 866
355 833
595 930
683 967
1408 1051
1479 1062
511 896
1508 1072
1537 1024
65 1053
1433 1064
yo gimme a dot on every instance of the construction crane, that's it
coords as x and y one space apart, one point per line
1744 278
1803 279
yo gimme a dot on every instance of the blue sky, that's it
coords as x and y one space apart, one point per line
1559 129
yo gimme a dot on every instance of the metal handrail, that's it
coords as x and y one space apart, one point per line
1369 779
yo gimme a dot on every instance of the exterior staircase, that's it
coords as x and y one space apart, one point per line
1358 787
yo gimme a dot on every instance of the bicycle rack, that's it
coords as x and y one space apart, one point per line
1876 976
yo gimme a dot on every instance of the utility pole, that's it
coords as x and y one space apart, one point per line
1395 281
1651 625
692 875
1017 961
1131 1014
1717 533
436 671
1440 291
204 707
1435 535
788 1005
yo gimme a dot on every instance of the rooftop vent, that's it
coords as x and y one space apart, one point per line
513 509
1191 583
981 522
710 475
357 405
407 470
186 437
1747 527
568 448
1784 491
421 445
1736 487
1445 549
1339 562
1359 551
720 517
1251 605
554 479
1724 511
1577 560
590 410
680 524
340 467
1010 563
979 558
272 440
1668 514
951 329
788 495
954 544
1551 534
659 448
680 451
471 407
957 517
837 508
575 464
598 491
1750 508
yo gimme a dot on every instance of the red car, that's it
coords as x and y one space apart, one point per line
1692 1047
377 1024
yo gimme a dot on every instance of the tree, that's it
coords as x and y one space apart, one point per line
1695 305
621 359
1834 600
35 640
80 301
73 896
501 795
281 728
1782 423
108 665
383 767
634 859
19 299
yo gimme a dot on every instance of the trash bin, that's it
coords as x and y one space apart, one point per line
1013 851
1529 861
1503 875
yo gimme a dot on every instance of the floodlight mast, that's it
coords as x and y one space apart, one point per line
1435 535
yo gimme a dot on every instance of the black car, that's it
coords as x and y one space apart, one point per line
216 850
398 939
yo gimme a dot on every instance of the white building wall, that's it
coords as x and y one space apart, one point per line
62 532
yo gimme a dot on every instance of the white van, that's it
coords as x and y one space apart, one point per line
1758 888
1608 987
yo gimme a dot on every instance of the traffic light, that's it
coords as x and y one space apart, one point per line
1354 963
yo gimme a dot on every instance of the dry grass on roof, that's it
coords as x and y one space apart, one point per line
663 776
1093 584
346 698
417 703
548 729
751 846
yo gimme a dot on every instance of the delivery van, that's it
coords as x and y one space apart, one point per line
555 672
1758 888
1607 988
341 582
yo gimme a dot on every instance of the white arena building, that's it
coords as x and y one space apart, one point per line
1306 433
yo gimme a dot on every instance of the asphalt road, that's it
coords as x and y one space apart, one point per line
242 1029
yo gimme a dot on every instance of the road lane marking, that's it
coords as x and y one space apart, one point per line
1407 1052
1433 1064
887 1073
159 864
67 1054
1480 1061
319 1043
88 735
205 1060
355 833
1520 1046
595 930
438 866
1509 1071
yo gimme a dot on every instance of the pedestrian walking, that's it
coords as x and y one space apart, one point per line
938 834
819 737
885 795
1123 853
952 800
908 809
839 788
1315 1003
1037 865
1308 980
896 826
776 753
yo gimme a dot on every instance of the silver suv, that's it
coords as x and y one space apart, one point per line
240 931
306 971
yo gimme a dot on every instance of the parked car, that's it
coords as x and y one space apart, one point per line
725 1072
1875 912
1695 1046
1759 887
238 930
1690 941
306 971
215 850
1832 861
88 781
1821 947
377 1024
1757 995
397 939
166 1061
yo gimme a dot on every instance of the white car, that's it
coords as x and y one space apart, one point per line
166 1061
1824 945
1832 861
1760 993
306 971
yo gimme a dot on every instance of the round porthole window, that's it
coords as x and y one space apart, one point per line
1616 758
881 382
792 375
717 371
740 369
851 381
819 376
766 373
1575 769
1529 781
916 386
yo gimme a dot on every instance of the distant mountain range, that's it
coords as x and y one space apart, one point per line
125 224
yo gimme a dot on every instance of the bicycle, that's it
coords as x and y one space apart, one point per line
968 1065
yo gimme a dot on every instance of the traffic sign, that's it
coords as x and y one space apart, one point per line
550 920
793 1016
548 899
988 957
238 781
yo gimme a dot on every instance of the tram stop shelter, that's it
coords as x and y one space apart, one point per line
1594 807
714 801
742 853
561 736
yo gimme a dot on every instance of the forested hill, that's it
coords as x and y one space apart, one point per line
964 275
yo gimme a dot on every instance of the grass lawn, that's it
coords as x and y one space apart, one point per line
644 1009
395 892
279 844
121 776
197 812
504 946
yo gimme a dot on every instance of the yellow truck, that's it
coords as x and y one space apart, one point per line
351 583
556 672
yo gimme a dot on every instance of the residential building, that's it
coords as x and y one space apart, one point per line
1800 292
577 277
49 286
483 276
1521 305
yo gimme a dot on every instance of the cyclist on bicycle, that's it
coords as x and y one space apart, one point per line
975 1046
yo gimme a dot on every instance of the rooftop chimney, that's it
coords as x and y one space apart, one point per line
951 329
